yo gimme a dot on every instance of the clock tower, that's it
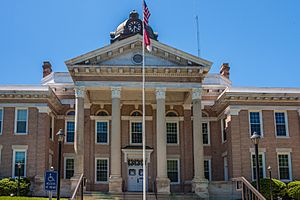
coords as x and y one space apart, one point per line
131 26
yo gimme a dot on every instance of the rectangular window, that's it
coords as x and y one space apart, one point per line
101 132
255 123
261 161
205 133
69 168
19 163
101 170
173 170
1 119
207 169
172 132
136 132
280 122
70 131
284 166
21 121
223 129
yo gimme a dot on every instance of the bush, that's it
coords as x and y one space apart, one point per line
294 190
278 188
9 186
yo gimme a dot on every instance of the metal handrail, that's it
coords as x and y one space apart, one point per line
248 191
79 185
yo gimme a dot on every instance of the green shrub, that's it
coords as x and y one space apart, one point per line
9 186
293 190
279 188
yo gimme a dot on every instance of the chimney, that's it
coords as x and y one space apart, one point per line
224 70
47 68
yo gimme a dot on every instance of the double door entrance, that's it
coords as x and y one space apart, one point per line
135 175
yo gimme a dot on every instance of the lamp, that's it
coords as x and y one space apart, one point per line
19 177
270 176
60 134
255 139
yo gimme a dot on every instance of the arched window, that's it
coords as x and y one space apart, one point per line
136 113
102 113
171 114
172 127
71 113
204 114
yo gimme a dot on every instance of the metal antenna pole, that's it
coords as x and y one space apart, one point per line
198 37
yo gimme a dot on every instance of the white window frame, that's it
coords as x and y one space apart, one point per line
170 120
19 148
224 120
130 135
290 165
65 164
16 118
208 132
1 122
260 119
0 153
66 122
263 164
108 169
178 167
106 121
52 127
209 168
286 124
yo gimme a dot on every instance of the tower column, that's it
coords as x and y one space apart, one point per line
115 179
162 180
200 184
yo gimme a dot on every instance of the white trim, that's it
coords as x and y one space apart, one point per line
172 120
94 117
132 118
105 143
260 120
249 107
95 174
16 117
286 123
66 131
1 122
0 152
178 168
130 134
17 148
208 132
65 165
179 118
23 105
209 167
284 150
263 164
52 127
290 165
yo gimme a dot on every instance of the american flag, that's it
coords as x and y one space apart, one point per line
146 19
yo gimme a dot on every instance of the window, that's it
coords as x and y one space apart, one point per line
172 132
136 114
71 113
205 133
280 123
101 132
19 164
21 121
261 160
255 123
136 132
223 129
207 170
171 114
173 170
51 131
102 113
70 127
69 168
284 166
1 119
101 170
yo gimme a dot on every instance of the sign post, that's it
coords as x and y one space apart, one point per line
50 182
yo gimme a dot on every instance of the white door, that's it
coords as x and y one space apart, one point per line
225 169
135 178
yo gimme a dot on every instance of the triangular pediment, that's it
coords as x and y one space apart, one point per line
121 53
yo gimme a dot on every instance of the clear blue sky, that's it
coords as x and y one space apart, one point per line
259 38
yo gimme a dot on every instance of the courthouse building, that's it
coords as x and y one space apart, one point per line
198 126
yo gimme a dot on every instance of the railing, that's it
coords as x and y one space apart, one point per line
79 189
248 191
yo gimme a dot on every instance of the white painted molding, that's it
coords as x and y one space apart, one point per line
22 147
160 93
187 106
234 111
224 154
170 119
79 91
116 92
284 150
23 105
92 117
136 154
153 106
87 105
147 118
43 109
196 93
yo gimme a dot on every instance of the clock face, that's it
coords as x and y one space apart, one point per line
134 26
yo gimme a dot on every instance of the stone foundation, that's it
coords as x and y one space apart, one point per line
163 185
115 184
200 187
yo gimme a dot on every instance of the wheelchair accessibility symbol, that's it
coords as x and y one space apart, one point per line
50 180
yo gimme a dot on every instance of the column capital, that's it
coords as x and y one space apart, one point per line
116 92
160 93
79 91
196 93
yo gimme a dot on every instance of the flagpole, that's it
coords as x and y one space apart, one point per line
144 110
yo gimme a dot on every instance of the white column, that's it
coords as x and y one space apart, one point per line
200 184
162 181
79 132
115 180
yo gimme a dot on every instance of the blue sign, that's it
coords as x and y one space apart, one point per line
50 180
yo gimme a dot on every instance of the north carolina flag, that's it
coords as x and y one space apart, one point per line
147 14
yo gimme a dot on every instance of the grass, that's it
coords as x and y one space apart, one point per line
25 198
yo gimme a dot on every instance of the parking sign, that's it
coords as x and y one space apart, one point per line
50 180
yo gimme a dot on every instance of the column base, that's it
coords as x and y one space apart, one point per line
200 187
115 184
163 185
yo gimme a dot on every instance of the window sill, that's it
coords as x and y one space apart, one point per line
21 133
101 182
102 143
282 137
172 144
